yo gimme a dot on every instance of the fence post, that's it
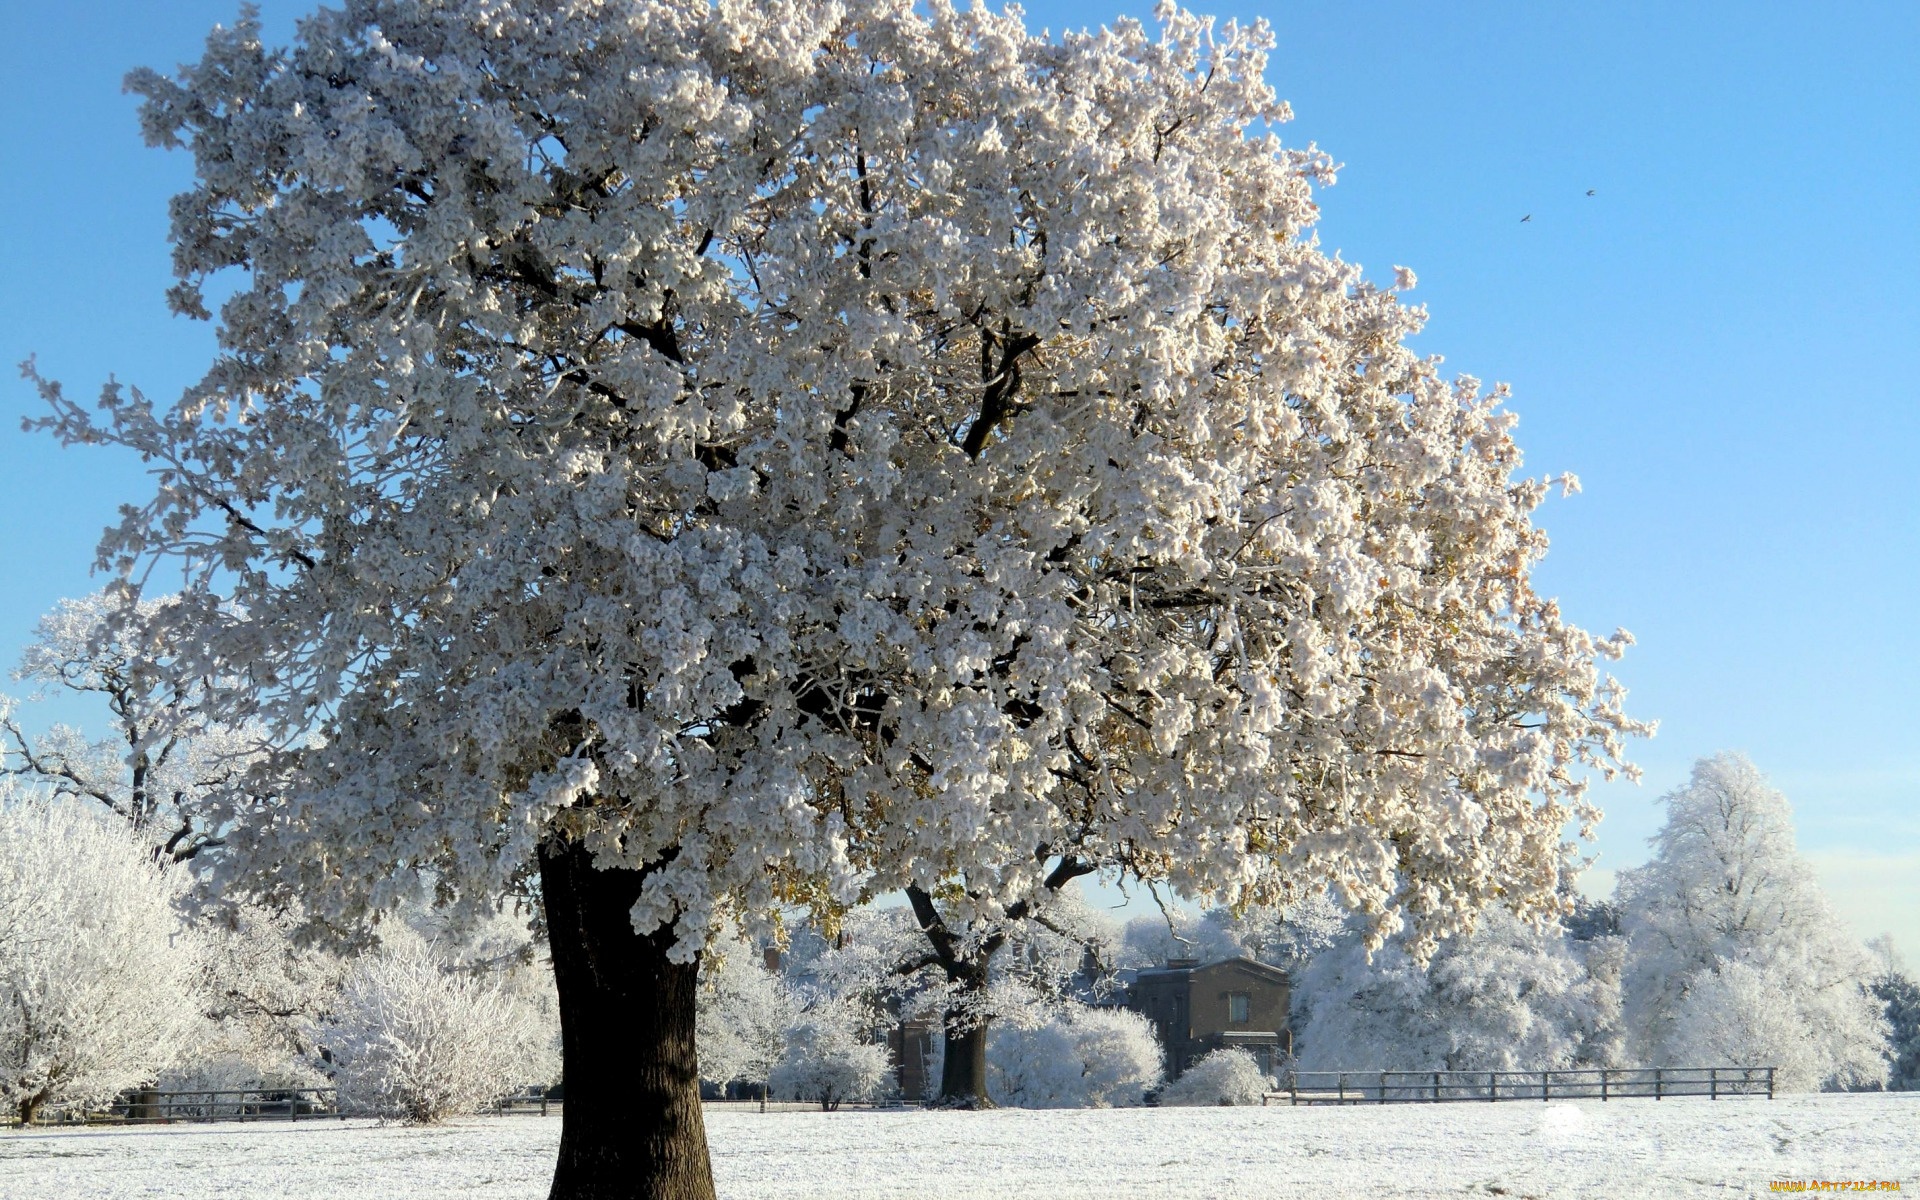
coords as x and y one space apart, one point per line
1713 1083
1343 1087
1493 1085
1657 1089
1546 1087
1603 1083
1769 1083
1436 1087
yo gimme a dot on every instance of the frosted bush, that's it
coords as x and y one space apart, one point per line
1080 1057
827 1063
1222 1077
96 969
419 1040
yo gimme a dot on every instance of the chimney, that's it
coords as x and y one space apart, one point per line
771 957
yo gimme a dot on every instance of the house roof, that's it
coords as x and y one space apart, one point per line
1266 970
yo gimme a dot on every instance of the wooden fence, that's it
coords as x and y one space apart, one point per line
1433 1087
148 1106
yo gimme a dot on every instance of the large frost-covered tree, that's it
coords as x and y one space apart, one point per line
96 966
1734 955
700 453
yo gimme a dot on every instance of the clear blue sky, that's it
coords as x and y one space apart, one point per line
1718 341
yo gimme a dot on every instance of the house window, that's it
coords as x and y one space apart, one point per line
1239 1008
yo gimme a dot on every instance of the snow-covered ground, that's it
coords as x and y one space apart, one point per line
1586 1148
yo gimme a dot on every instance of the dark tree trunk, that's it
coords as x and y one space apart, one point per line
963 1028
631 1127
963 1074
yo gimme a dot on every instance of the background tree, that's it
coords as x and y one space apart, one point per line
699 454
1901 996
1074 1055
264 1000
96 969
1504 997
830 1057
1287 938
421 1036
746 1014
161 757
1733 954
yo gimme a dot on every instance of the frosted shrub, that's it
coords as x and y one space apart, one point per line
1734 1015
1222 1077
827 1063
1080 1057
419 1040
96 971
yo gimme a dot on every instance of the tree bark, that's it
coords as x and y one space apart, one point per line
631 1127
963 1073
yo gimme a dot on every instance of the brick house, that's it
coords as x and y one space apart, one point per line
1196 1008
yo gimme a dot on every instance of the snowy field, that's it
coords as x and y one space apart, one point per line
1586 1148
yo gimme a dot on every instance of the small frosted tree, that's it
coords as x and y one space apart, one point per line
829 1061
745 1015
1227 1076
96 967
1733 951
162 756
421 1038
1075 1056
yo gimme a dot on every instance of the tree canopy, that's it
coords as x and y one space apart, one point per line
769 443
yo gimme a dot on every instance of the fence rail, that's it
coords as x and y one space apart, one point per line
1434 1087
148 1106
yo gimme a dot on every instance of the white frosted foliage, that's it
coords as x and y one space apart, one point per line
162 759
828 1061
1506 997
96 967
744 1016
1074 1056
420 1037
1735 957
1228 1076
